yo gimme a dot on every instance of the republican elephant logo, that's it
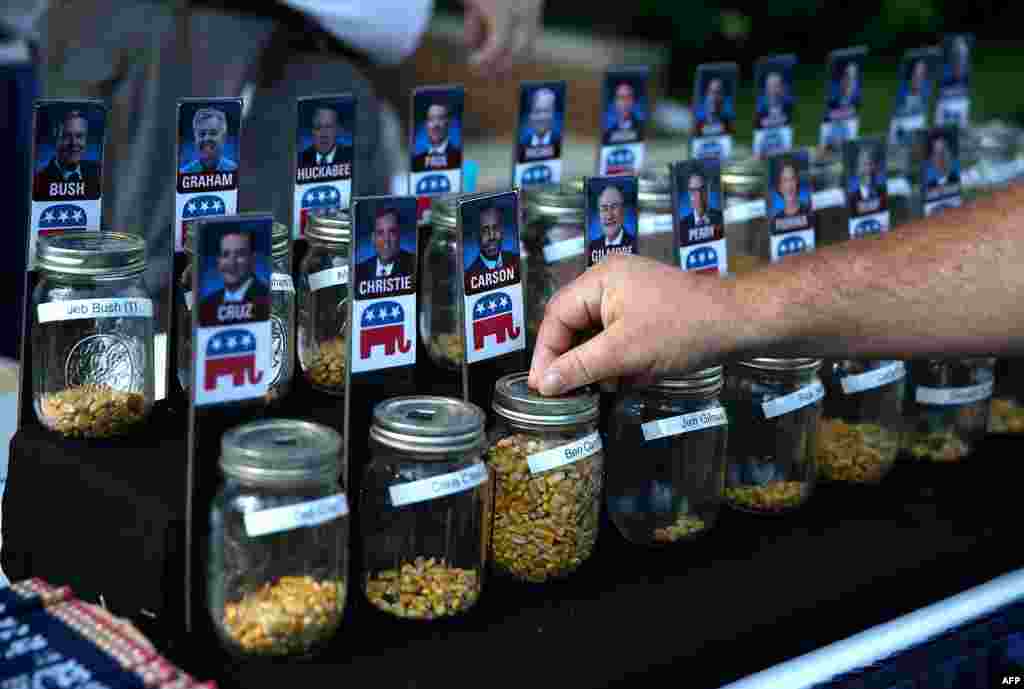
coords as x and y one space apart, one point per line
537 174
433 184
492 315
231 353
621 161
320 201
383 324
702 260
866 227
791 246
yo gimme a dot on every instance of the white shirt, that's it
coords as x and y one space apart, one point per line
541 140
941 181
617 241
237 295
384 269
326 158
439 150
698 220
491 265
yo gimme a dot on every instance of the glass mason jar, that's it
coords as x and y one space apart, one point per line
548 464
774 406
990 152
279 530
655 217
746 231
323 293
1007 414
947 407
669 439
282 316
861 425
440 327
902 204
832 218
92 335
425 504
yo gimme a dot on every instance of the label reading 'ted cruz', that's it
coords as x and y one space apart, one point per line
438 486
785 404
547 460
684 423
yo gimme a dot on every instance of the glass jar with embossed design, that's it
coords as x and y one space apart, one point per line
282 316
92 334
323 294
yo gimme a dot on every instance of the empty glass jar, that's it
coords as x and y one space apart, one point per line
746 230
440 327
774 406
655 221
548 464
279 530
862 422
323 294
947 407
666 480
425 504
92 334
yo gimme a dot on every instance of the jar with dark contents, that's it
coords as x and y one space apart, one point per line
947 408
282 315
666 481
323 294
861 426
548 463
426 507
830 210
746 228
774 406
441 332
92 335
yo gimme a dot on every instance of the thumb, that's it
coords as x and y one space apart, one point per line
600 358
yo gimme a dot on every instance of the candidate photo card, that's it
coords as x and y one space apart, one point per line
625 110
773 111
714 110
67 168
384 288
436 140
789 205
698 205
940 173
953 106
324 146
918 70
611 213
539 132
231 276
867 197
206 170
843 93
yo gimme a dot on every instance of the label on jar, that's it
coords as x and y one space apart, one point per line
898 186
438 486
332 277
561 250
684 423
804 397
869 380
75 309
587 446
949 396
739 213
828 198
282 282
302 515
655 223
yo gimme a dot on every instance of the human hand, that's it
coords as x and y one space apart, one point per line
500 31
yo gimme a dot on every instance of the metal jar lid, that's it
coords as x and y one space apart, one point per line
516 402
280 239
335 229
559 202
281 451
92 254
655 191
704 381
428 425
744 176
796 365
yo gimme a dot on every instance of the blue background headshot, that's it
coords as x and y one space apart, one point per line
186 137
506 204
907 67
851 162
780 64
775 165
344 105
526 92
259 230
950 135
637 79
366 220
705 73
597 185
710 168
951 46
422 99
837 67
49 115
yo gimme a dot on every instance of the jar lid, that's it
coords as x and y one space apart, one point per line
558 201
701 381
515 401
770 364
280 239
743 175
655 190
428 424
335 228
92 254
275 451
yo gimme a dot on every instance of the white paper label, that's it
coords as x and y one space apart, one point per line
791 244
328 278
75 309
803 397
281 282
772 140
562 250
828 198
879 377
745 212
835 133
901 129
898 186
952 110
318 198
950 396
547 460
933 207
684 423
712 147
302 515
655 223
438 486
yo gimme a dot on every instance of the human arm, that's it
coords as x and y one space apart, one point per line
950 284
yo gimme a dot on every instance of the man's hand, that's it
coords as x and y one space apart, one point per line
500 31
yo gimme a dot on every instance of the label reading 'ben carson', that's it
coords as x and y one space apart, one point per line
587 446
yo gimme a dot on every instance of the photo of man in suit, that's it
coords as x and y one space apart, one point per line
68 175
540 141
788 190
774 106
611 206
389 260
941 167
702 223
325 150
866 185
243 295
623 126
958 56
441 153
914 90
711 114
210 132
847 96
491 256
